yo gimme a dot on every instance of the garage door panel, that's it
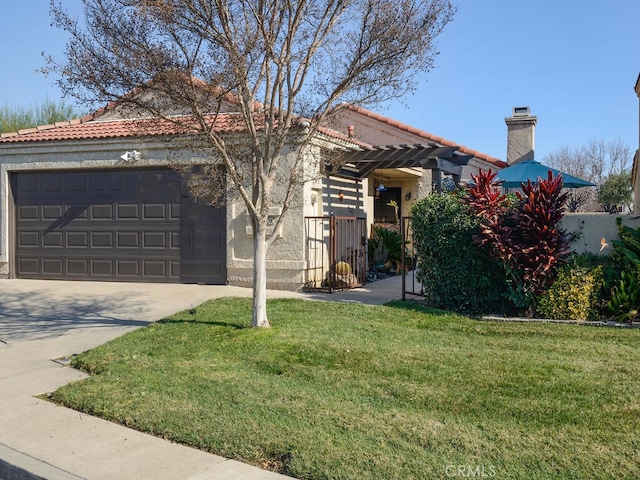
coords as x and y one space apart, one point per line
154 240
77 267
128 268
78 239
102 212
102 239
53 239
52 212
77 183
154 268
127 225
28 239
127 211
52 184
28 266
28 212
53 266
154 211
102 268
127 240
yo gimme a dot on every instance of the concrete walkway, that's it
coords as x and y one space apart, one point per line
44 320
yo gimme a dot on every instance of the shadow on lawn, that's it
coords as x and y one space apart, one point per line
212 322
416 306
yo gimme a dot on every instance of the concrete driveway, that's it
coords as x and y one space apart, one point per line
41 320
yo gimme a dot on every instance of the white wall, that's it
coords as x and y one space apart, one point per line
589 228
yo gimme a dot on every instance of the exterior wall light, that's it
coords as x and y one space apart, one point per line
131 157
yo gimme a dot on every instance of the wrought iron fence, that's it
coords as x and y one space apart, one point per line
410 286
336 253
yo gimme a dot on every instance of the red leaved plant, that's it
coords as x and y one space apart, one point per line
526 236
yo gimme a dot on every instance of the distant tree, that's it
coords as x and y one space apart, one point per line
288 65
48 112
595 162
616 192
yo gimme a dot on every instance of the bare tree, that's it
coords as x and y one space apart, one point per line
595 162
278 60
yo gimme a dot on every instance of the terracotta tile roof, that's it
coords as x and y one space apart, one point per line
91 127
329 132
88 129
427 136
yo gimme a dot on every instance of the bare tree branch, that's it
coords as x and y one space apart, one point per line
595 162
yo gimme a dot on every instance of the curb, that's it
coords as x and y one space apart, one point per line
584 323
15 465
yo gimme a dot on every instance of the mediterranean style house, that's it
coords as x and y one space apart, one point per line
95 199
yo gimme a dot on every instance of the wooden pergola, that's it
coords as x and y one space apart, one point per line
360 163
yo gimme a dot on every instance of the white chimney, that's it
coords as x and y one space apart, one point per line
520 135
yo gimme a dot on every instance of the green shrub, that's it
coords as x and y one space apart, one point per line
455 273
610 265
625 297
574 295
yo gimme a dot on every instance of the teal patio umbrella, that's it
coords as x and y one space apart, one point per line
531 170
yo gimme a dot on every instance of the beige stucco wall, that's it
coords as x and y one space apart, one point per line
315 195
286 255
375 132
589 228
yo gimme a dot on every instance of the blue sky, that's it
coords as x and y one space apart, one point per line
574 63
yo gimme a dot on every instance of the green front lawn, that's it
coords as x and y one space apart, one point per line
395 392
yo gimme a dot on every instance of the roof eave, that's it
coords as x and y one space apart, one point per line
429 136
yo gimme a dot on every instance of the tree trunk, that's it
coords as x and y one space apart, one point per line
260 277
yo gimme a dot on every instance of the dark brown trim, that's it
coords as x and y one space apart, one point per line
11 233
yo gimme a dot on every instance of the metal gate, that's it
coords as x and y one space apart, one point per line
336 253
410 286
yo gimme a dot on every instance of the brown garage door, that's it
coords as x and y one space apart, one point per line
116 225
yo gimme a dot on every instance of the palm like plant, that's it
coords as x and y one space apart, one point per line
386 247
625 298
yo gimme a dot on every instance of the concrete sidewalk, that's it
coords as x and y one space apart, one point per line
43 320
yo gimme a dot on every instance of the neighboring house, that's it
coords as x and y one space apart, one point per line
635 178
95 199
